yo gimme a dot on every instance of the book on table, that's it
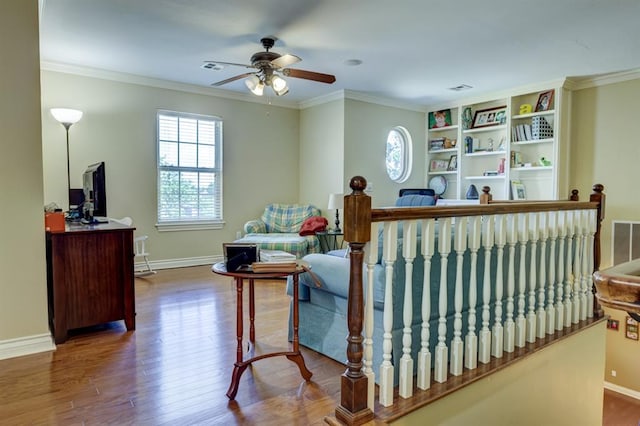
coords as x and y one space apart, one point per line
284 267
276 256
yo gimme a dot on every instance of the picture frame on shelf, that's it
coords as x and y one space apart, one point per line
545 101
453 163
490 117
518 191
631 328
436 144
440 119
439 165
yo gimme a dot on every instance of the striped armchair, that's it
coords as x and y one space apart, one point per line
279 227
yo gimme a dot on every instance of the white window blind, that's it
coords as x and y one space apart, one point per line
189 169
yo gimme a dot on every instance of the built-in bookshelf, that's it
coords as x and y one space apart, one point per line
517 137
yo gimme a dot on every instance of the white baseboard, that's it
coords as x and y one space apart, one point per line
625 391
26 346
180 263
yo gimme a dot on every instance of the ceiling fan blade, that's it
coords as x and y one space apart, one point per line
212 64
285 61
229 80
309 75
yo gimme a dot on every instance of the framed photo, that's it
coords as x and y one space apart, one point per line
439 119
490 117
631 329
518 191
545 101
453 163
436 144
438 165
613 324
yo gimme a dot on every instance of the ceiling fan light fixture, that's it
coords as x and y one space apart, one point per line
278 83
255 85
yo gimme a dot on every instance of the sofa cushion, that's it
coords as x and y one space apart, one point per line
313 224
287 218
416 200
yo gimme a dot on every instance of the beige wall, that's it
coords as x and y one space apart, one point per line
605 149
119 127
322 154
558 385
23 288
366 129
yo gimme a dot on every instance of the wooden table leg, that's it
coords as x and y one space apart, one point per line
239 324
252 314
297 356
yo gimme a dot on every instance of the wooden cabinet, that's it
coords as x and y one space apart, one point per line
90 277
520 144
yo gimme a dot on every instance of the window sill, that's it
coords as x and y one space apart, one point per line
189 226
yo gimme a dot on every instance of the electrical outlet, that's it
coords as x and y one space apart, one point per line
614 373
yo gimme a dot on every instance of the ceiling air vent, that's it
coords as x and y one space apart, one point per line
460 87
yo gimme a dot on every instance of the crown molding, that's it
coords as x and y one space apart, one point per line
320 100
394 103
579 83
360 96
161 84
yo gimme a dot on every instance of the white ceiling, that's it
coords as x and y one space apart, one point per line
411 50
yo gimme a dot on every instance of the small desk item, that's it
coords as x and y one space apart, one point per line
241 364
329 240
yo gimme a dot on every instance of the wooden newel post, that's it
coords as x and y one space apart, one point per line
599 197
353 408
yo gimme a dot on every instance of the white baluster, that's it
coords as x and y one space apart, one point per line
586 274
389 250
457 346
523 237
424 356
577 267
371 258
497 332
533 267
562 233
553 234
542 276
471 340
509 325
568 275
592 230
484 349
405 388
441 352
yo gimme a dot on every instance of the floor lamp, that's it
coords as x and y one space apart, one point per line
67 117
336 201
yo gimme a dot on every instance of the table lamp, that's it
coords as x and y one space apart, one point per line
336 201
67 117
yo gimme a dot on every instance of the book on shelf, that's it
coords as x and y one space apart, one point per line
276 256
284 267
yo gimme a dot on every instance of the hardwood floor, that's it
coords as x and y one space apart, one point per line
176 367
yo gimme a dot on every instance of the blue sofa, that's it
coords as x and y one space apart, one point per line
323 309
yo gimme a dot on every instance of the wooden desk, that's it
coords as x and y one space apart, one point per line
90 277
293 355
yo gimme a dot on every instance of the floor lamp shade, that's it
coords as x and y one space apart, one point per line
336 201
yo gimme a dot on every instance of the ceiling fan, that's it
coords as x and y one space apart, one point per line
270 68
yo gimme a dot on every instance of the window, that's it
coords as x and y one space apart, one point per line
189 171
399 156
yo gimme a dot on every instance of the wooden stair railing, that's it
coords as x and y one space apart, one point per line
356 391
